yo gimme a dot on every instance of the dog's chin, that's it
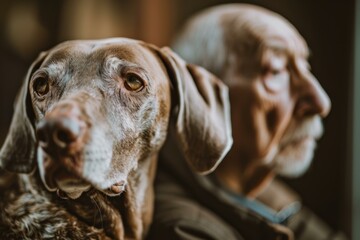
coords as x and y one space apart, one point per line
74 189
66 184
72 193
70 184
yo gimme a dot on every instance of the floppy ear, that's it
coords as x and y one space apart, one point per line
18 152
202 108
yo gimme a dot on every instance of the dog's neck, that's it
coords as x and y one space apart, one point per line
127 216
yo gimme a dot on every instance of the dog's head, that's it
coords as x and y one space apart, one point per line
90 112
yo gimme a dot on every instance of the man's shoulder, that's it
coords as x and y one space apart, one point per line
307 225
181 217
304 223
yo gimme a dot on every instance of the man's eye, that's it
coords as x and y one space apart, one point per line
276 79
41 86
275 72
133 83
269 71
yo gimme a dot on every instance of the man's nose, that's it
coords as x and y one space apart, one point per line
313 99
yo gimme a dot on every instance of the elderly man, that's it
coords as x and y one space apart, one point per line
276 107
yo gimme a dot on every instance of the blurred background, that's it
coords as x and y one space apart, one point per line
332 29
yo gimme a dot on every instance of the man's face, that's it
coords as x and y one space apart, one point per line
277 106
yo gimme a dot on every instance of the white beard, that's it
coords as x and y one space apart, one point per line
296 149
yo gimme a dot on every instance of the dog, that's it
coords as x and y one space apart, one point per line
90 119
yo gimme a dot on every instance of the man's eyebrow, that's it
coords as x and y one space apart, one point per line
282 47
277 46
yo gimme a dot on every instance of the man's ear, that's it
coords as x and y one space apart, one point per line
202 111
18 152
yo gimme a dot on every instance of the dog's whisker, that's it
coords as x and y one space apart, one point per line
93 200
91 193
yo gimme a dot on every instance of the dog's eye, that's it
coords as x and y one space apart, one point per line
41 86
133 83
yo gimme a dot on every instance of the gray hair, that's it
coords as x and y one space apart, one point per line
201 42
240 32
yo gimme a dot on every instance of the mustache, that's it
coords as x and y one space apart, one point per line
309 127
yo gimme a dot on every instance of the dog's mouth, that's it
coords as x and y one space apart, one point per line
70 186
67 182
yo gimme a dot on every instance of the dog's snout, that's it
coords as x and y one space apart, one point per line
59 131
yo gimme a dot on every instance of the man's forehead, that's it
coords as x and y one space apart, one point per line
258 28
292 48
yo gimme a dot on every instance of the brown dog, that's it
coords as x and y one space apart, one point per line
94 115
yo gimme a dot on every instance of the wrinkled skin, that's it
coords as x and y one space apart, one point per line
276 102
116 127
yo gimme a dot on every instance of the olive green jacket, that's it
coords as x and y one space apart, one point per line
189 206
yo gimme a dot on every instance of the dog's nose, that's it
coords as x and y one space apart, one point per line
58 131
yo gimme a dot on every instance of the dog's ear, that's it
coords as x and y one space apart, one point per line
18 152
202 111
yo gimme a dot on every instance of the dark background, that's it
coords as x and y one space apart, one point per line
27 27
